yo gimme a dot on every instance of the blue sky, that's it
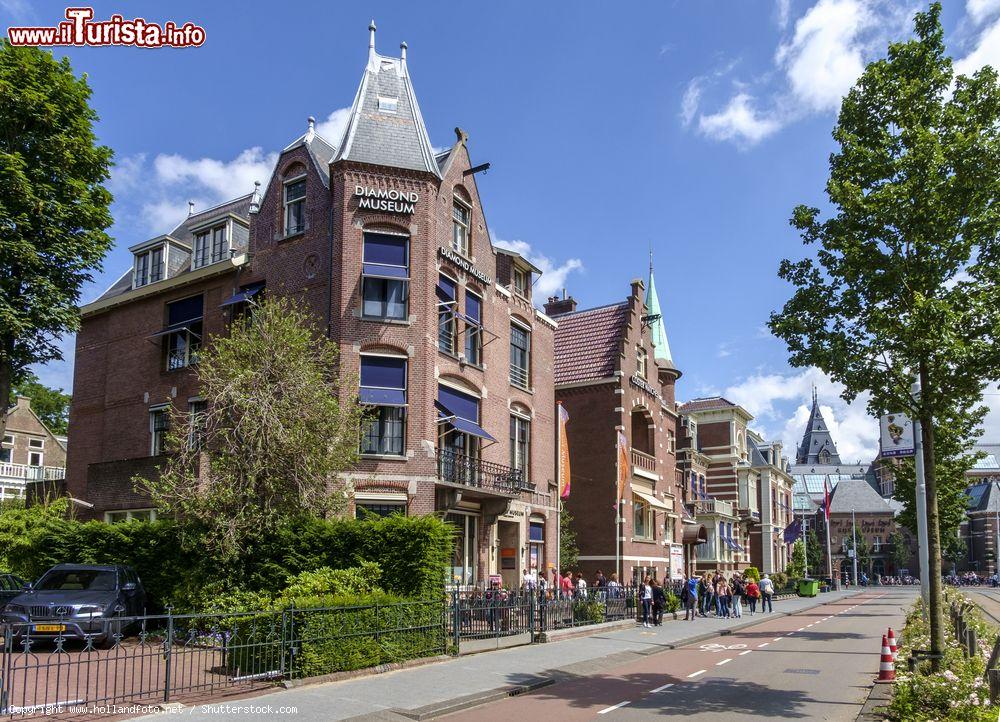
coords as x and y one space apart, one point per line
694 127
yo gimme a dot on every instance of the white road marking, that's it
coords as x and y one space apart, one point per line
777 639
660 689
724 661
695 674
612 708
746 652
763 644
800 629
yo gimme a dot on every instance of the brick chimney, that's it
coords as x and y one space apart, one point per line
557 306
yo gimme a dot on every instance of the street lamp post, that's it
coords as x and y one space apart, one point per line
854 544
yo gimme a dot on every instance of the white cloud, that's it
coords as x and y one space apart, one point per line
739 121
332 129
985 52
784 13
980 10
826 53
553 276
224 179
689 104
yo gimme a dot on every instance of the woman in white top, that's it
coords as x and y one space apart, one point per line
647 601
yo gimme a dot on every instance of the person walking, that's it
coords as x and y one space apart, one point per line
690 598
703 594
738 591
646 592
721 595
766 592
659 602
753 593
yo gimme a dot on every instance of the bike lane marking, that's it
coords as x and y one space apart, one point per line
613 707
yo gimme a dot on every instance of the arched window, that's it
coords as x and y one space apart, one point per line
642 431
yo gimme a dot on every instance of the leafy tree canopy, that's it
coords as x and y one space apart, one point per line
51 405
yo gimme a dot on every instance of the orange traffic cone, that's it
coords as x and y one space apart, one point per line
892 644
886 669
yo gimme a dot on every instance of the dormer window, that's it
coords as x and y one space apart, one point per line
387 105
295 206
148 267
522 281
461 216
211 246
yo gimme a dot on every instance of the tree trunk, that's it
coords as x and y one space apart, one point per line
933 527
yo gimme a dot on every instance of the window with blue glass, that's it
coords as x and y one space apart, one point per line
701 483
473 329
447 290
383 391
385 276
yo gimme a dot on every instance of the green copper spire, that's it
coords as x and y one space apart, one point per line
658 331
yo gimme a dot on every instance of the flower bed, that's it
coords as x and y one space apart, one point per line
959 692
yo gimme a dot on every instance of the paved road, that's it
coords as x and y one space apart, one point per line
818 664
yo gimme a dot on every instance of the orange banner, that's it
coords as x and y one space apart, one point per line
624 472
564 474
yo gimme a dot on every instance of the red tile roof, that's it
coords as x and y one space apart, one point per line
587 342
714 402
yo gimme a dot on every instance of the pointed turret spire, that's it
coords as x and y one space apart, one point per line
817 444
657 329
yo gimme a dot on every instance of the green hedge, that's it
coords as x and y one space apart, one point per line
412 552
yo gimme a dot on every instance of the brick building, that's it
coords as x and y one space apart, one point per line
614 373
736 486
384 241
29 452
854 504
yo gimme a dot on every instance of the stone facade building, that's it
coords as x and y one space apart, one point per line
611 377
383 240
30 452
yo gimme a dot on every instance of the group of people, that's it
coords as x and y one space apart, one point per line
705 594
970 579
653 597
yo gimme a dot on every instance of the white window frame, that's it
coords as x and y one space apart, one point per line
527 372
41 458
153 410
466 249
204 245
285 204
523 293
387 105
147 256
130 514
39 447
525 419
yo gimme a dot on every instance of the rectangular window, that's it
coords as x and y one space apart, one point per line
520 356
536 546
295 206
6 455
148 267
364 509
671 442
201 248
383 390
876 543
447 290
641 361
642 519
196 431
211 246
220 246
182 336
522 281
159 425
460 217
385 280
36 443
473 329
34 458
117 517
520 446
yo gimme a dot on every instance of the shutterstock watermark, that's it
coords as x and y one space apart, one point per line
80 28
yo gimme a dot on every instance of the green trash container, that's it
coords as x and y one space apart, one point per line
808 587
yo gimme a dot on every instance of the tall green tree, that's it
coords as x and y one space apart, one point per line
907 275
797 566
569 551
899 550
53 206
815 554
49 404
275 438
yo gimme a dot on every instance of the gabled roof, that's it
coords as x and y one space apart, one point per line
320 150
817 440
856 495
706 404
587 342
388 132
184 233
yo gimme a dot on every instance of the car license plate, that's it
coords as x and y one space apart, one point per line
50 627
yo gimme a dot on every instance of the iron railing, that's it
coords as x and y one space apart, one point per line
69 665
459 468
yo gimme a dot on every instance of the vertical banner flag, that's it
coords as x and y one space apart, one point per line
896 435
564 478
826 501
624 472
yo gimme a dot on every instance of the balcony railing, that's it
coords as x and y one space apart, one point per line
713 506
23 472
458 468
644 461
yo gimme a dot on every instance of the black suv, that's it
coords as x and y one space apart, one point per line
77 601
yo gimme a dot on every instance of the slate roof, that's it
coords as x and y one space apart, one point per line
856 494
321 150
817 439
588 341
706 404
756 456
395 138
984 497
238 206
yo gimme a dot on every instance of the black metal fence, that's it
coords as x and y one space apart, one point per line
69 665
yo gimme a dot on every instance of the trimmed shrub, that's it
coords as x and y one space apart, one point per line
752 573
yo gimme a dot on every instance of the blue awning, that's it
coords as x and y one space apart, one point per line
377 270
466 426
244 294
382 397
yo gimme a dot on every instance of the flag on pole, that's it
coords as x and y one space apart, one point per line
793 531
564 474
623 467
826 500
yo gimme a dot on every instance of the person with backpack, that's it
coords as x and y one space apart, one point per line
659 602
690 598
738 591
766 592
753 594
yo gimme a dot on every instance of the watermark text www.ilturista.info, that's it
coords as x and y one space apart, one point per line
80 28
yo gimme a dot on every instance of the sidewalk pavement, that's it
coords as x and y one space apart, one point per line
457 683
